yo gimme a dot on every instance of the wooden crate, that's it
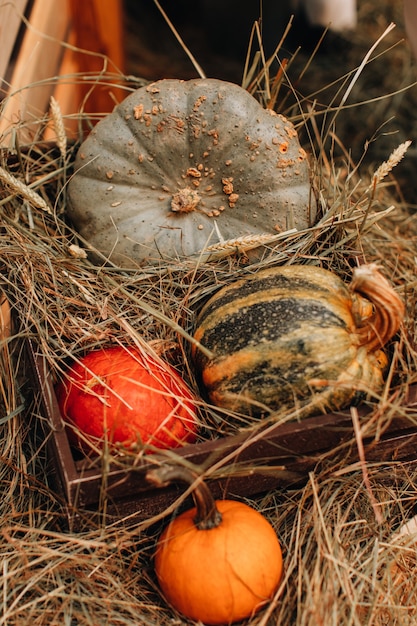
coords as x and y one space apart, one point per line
45 49
11 19
236 466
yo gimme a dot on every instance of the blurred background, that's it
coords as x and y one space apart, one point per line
148 40
380 112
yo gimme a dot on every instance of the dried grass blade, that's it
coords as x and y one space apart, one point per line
358 73
361 453
180 41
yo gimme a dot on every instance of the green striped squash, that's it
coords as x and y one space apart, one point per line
295 336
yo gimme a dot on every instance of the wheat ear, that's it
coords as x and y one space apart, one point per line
23 190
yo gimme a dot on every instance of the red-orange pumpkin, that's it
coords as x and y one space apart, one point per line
218 562
120 395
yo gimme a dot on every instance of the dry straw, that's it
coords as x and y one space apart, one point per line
344 566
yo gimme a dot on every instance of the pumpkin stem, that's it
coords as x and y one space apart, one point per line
208 516
388 308
185 200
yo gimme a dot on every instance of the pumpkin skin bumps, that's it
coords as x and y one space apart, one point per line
296 336
180 166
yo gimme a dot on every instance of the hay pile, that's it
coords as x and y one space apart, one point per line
343 563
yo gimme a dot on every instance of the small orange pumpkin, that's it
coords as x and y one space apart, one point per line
218 562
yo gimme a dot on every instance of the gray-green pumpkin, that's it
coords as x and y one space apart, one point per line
179 166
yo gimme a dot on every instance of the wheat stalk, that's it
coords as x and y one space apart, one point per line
58 122
246 242
23 190
385 168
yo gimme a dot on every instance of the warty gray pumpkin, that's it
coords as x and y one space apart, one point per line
180 166
296 337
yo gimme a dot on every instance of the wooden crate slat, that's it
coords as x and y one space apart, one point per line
39 60
72 38
246 463
11 14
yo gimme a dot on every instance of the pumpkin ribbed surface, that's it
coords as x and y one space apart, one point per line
179 166
286 337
